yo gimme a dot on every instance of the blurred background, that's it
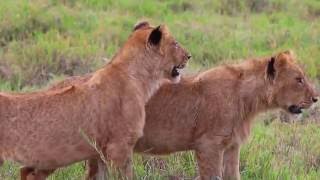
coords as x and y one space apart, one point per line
44 41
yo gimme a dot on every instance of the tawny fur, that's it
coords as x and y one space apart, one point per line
212 113
50 129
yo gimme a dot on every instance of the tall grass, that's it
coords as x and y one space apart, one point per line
43 39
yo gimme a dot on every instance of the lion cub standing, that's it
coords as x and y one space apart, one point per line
51 129
215 110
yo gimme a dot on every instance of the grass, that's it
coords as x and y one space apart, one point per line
274 152
44 40
291 151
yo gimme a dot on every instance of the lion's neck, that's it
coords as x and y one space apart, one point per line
143 70
255 97
255 94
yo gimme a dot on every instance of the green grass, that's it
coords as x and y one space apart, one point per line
282 151
42 39
45 40
274 152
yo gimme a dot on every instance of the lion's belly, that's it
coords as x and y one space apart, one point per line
164 144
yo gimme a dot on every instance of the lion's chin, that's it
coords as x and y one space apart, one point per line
175 73
176 79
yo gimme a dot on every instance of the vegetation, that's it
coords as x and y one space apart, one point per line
45 40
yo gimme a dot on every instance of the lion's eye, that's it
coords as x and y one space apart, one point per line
299 80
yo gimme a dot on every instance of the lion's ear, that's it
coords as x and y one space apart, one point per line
289 53
155 36
284 57
271 71
141 25
277 62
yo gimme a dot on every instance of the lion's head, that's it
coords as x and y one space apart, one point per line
292 90
162 48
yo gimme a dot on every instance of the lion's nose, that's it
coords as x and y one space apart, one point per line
314 99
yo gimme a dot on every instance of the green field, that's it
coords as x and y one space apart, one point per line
43 41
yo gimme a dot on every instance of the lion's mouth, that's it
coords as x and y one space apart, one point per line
294 109
297 109
176 70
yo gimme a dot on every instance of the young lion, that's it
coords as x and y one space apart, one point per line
212 113
50 129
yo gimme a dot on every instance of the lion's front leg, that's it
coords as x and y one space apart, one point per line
231 163
209 155
96 169
27 173
119 152
210 164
